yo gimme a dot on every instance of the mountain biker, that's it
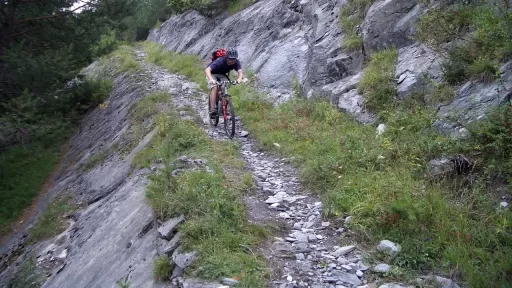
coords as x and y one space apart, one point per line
219 70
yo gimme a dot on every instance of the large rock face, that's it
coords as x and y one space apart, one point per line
283 40
390 23
279 40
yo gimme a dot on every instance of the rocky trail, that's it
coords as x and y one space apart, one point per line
114 236
307 251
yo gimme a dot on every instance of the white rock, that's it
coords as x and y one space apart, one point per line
389 247
392 285
300 256
229 282
344 250
273 200
503 204
446 283
348 219
284 215
277 145
346 267
381 129
169 227
325 224
319 237
289 278
359 273
63 254
382 268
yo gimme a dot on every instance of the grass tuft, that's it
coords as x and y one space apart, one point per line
148 106
353 43
377 83
95 159
351 16
161 268
52 221
126 60
27 276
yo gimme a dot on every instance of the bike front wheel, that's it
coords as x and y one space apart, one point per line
229 119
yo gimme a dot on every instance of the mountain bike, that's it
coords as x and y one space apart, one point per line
224 108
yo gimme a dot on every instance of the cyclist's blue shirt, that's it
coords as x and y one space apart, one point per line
220 66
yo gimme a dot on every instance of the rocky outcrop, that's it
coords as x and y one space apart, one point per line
283 40
417 67
390 23
279 40
473 100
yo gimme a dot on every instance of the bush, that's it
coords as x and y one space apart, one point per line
108 42
493 137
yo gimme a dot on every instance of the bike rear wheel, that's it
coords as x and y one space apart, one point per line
229 122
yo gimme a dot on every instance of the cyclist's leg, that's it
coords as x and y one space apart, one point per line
213 94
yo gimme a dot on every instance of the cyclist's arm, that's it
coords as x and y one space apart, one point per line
240 74
208 72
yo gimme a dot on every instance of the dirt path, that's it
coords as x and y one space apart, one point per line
305 252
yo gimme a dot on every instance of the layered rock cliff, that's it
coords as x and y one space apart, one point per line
284 40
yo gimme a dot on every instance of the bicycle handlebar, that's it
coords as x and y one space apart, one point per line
230 82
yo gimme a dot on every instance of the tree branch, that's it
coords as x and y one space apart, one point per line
51 16
23 32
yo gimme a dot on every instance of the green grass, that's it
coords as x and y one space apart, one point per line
187 65
216 225
444 226
482 34
236 6
353 42
123 284
377 83
148 106
441 93
52 221
42 128
161 268
95 159
27 276
381 182
126 60
23 171
351 15
142 117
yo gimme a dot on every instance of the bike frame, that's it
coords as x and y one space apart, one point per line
222 93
